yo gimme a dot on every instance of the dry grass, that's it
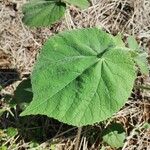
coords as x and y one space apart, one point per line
19 47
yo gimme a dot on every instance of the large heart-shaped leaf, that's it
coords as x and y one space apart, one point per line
80 3
81 78
43 12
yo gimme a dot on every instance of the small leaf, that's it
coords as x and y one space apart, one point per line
141 57
23 94
3 148
142 62
53 147
146 125
81 80
43 12
132 43
114 139
33 145
11 132
83 4
114 135
118 40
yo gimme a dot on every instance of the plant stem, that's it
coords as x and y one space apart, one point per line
78 138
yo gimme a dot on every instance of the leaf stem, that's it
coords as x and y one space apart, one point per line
78 138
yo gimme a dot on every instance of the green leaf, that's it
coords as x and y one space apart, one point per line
43 12
141 57
132 43
142 62
53 147
33 145
3 148
81 80
146 125
83 4
11 132
23 94
114 139
118 40
114 135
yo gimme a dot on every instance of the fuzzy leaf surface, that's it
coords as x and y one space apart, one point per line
43 12
81 78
